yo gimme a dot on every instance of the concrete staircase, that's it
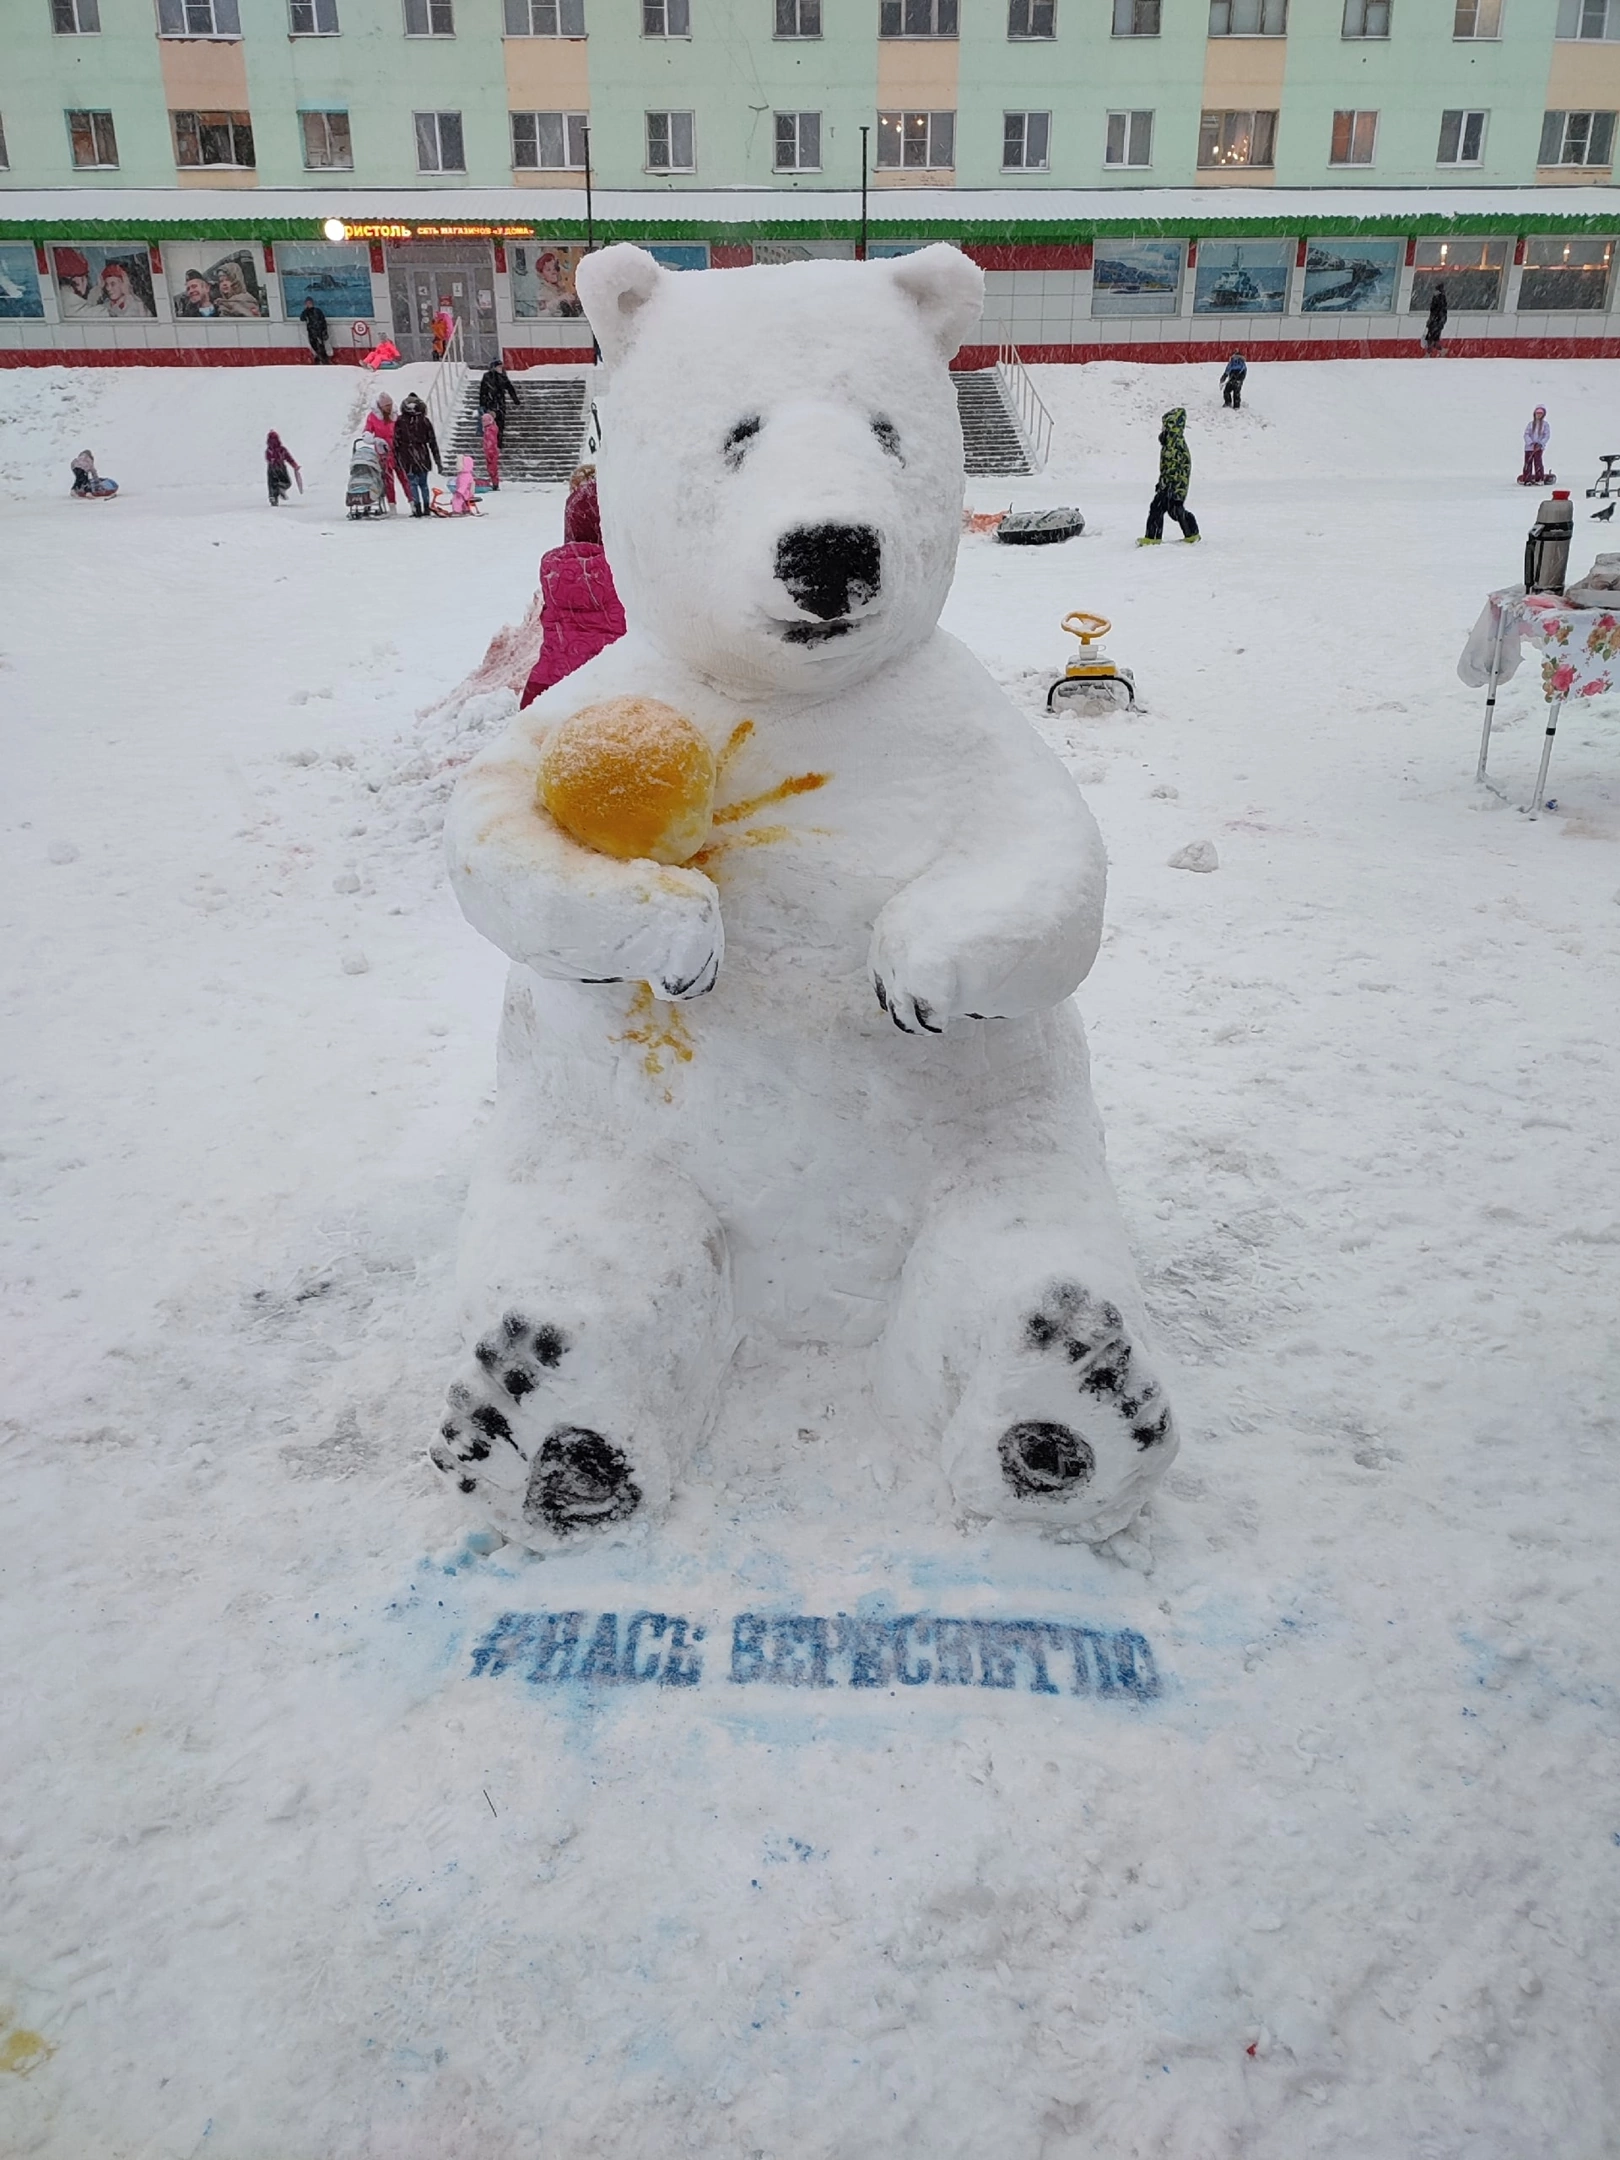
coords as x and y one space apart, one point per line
545 430
990 439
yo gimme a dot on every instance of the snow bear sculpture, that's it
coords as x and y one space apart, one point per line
826 1080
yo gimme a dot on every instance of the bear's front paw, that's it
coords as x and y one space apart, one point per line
918 984
689 943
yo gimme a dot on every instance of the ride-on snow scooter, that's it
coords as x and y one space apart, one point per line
1091 677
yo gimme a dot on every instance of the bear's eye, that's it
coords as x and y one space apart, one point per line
736 443
888 435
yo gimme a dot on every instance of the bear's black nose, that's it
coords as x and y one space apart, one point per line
830 569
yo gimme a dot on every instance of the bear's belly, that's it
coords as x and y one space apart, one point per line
817 1132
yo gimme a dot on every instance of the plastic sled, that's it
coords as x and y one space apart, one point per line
1039 528
1091 680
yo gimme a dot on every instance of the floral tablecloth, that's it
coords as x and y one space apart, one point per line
1579 647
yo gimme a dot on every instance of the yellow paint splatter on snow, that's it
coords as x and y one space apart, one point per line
804 783
657 1027
735 741
22 2050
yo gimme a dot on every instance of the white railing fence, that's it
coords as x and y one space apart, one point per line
1034 421
444 399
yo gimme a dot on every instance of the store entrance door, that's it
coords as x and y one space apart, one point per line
421 274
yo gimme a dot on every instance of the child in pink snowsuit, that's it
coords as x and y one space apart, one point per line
1536 438
492 449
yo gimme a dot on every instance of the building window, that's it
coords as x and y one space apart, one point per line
550 141
1588 19
1237 138
430 18
1366 19
1560 274
1576 138
545 18
1130 139
670 146
1353 136
916 18
1032 18
798 18
1470 270
213 138
438 142
1136 18
327 147
798 142
1477 19
75 18
1248 18
1462 138
666 18
94 143
199 18
312 18
917 140
1024 140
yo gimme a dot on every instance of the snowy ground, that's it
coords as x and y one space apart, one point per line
285 1880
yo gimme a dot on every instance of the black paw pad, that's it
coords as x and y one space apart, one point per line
1107 1376
579 1482
522 1337
1152 1431
489 1420
518 1381
1038 1459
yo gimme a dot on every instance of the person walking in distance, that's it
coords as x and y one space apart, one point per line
416 450
1232 381
492 449
280 469
1536 438
316 330
496 390
1434 328
1175 477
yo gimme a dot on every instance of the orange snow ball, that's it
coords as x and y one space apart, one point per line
630 777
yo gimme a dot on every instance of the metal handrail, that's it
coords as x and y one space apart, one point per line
1033 420
448 385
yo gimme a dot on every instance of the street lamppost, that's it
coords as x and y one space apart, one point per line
860 251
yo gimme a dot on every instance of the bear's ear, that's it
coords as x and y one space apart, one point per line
614 285
948 291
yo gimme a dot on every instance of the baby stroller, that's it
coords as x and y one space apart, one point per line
365 495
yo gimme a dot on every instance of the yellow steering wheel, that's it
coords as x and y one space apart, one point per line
1087 628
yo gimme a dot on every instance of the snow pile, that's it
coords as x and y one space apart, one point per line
320 1838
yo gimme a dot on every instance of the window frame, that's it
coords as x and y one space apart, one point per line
317 8
438 116
798 10
209 120
76 10
90 114
1136 10
1364 35
574 130
934 121
897 12
1537 241
680 10
1564 162
1571 25
174 20
428 9
1254 116
1128 133
328 113
1263 7
1476 36
560 9
1462 114
1029 9
669 115
1025 164
1354 115
799 164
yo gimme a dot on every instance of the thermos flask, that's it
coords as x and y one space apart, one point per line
1546 551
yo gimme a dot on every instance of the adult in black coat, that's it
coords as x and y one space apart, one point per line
316 330
1434 329
495 389
416 448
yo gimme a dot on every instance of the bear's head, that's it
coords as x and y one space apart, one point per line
781 463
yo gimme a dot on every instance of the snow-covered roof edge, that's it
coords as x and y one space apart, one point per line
989 214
